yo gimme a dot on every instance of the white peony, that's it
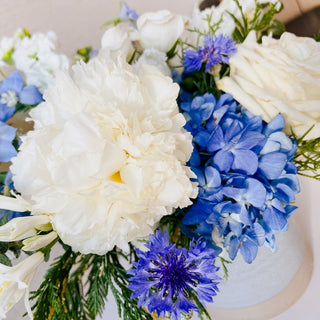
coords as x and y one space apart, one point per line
106 159
120 38
160 30
278 76
36 57
15 282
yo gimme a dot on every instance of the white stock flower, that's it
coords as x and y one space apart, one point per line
160 30
22 227
36 57
120 38
15 282
155 58
278 76
107 157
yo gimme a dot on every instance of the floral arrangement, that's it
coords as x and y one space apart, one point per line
153 161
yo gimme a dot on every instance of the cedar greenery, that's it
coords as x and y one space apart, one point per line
76 287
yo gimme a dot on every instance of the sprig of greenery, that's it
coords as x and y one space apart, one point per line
262 21
307 157
76 287
224 262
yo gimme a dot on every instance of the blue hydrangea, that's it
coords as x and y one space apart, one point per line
165 277
13 91
246 176
215 50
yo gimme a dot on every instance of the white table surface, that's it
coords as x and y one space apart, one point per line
77 24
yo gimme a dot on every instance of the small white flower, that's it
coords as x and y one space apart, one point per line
15 282
36 57
160 30
107 157
23 227
278 76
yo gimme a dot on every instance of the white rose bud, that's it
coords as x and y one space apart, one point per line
278 76
120 38
15 282
160 30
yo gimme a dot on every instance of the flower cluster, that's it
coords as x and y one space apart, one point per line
245 173
176 123
166 278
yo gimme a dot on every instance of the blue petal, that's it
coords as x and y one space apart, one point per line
30 95
14 82
245 161
216 140
233 247
272 164
248 250
276 124
213 178
275 220
223 160
256 193
6 112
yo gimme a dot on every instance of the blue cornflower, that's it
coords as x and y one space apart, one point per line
12 91
7 134
165 278
215 50
126 13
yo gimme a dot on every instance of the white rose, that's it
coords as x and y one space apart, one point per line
120 38
160 30
278 76
107 157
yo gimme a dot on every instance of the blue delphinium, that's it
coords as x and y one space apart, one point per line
126 13
215 50
245 173
12 91
166 278
7 134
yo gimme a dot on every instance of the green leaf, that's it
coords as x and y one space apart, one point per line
317 36
4 246
4 219
5 260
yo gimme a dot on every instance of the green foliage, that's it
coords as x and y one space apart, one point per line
171 224
262 21
224 262
84 53
66 295
317 36
307 157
